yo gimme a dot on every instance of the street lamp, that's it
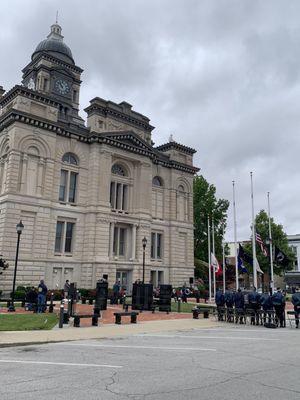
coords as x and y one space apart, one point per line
19 229
144 242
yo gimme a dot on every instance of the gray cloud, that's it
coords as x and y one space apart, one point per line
221 75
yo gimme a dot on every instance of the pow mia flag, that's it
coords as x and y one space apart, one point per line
280 257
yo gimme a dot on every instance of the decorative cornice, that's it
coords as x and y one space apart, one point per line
82 135
177 146
54 60
108 108
19 90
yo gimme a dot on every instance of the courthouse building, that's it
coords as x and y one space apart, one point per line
88 192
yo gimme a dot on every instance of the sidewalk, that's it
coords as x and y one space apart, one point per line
14 338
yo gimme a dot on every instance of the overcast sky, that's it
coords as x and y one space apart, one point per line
221 76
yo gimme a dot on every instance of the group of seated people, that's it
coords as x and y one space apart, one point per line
257 305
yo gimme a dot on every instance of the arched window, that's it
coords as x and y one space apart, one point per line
182 204
157 198
68 179
156 181
70 158
117 169
119 189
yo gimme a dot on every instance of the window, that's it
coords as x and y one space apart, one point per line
117 169
182 203
68 179
156 181
64 237
74 96
156 246
70 158
119 244
119 190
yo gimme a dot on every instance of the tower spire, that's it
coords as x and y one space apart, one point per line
56 19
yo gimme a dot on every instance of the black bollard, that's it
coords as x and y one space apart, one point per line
95 320
195 313
76 321
61 316
51 304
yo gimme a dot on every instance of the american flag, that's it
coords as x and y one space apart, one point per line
261 243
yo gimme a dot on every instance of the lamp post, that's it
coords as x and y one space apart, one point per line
144 242
19 229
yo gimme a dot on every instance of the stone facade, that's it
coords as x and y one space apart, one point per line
88 194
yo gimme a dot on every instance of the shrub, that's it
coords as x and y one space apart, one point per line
83 292
57 295
19 295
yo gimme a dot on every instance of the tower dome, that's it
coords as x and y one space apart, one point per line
55 46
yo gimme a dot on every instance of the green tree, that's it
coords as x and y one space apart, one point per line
279 239
206 204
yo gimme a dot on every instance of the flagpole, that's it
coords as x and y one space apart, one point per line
209 259
253 235
224 267
214 253
271 247
235 238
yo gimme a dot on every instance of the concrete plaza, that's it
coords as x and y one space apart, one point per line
225 362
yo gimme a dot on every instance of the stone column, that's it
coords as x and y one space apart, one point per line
41 165
111 239
24 174
133 244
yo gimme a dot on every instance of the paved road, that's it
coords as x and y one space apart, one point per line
222 363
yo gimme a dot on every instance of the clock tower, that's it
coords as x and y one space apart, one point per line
52 72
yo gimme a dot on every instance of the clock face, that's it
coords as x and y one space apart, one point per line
62 86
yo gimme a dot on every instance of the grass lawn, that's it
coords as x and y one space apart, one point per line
187 307
27 322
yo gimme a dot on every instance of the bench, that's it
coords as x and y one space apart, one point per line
198 310
132 314
77 318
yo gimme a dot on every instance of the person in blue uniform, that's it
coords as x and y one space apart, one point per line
239 304
220 303
278 301
296 304
254 303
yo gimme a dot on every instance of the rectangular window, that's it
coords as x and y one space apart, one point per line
156 245
59 236
153 237
72 187
64 237
118 196
63 185
119 243
74 96
69 236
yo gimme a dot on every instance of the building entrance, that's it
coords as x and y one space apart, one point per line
125 279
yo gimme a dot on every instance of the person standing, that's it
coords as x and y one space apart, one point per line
254 303
66 289
116 291
239 304
266 303
220 303
229 300
278 301
42 293
296 304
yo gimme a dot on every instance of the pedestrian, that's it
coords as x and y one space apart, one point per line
220 303
66 289
116 291
254 303
42 293
239 304
31 299
266 304
278 301
229 301
296 304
